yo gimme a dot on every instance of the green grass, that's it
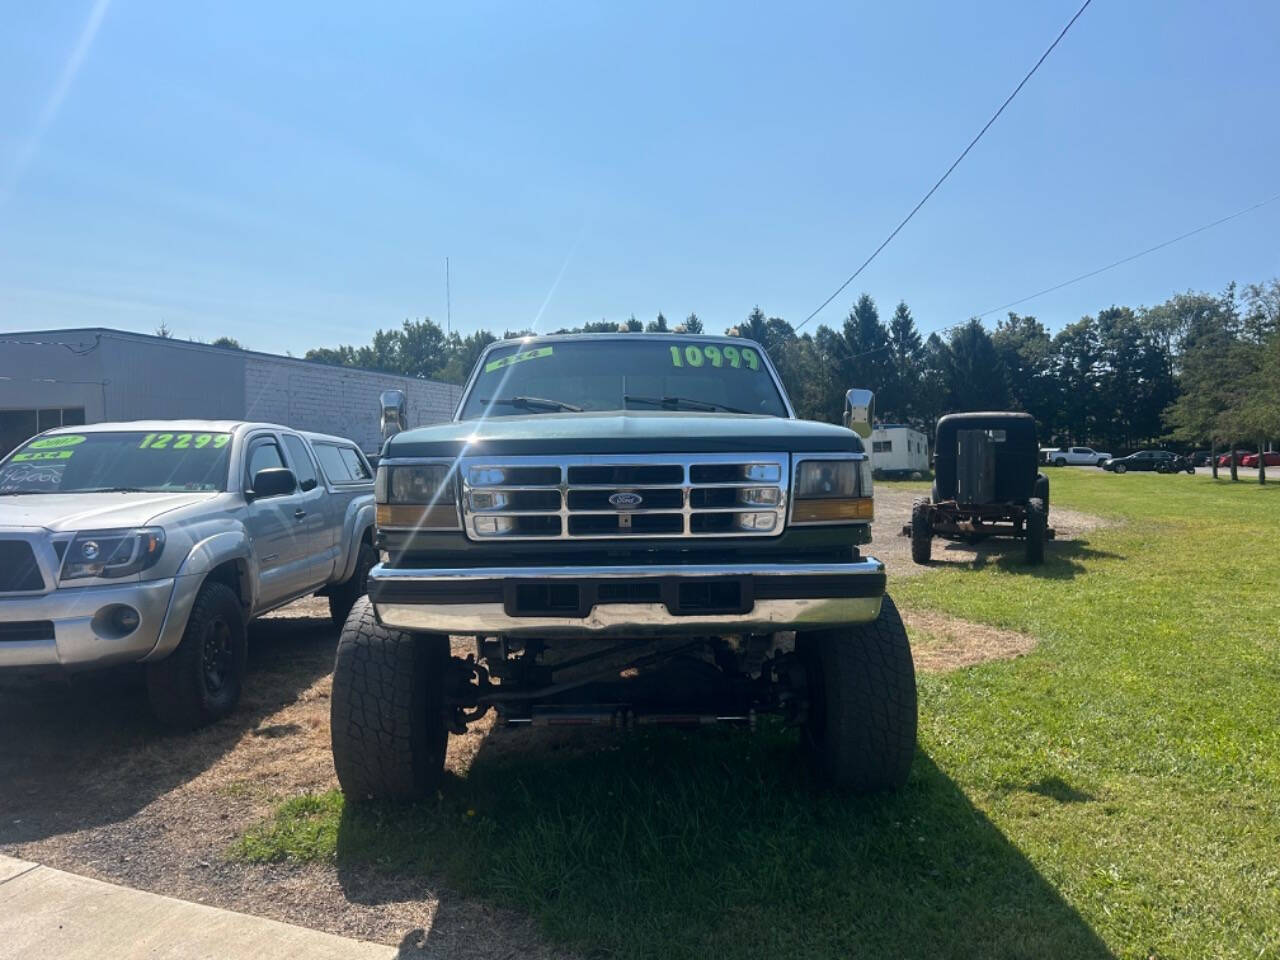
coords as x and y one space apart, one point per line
1117 791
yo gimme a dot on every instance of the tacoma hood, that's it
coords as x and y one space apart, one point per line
91 511
549 434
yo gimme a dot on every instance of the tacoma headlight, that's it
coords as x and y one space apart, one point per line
416 497
832 491
112 553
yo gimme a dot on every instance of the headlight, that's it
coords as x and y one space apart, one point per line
832 491
417 497
112 553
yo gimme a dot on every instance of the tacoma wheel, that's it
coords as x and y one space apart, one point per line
200 681
860 731
344 596
387 718
1036 525
921 532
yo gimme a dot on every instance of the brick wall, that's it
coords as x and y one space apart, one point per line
337 400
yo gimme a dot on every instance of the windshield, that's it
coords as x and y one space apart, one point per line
626 373
83 463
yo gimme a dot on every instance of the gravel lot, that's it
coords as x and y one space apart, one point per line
89 783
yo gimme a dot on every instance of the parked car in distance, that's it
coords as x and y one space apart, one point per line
1149 460
1225 459
1073 456
156 542
1270 459
1202 458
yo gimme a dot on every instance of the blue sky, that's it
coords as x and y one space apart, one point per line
294 174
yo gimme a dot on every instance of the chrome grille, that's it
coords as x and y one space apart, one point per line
616 497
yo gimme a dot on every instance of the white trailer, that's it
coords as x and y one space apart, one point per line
899 451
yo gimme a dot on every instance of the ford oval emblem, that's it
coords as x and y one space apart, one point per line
626 501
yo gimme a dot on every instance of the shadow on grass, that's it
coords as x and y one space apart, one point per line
672 845
83 750
1063 559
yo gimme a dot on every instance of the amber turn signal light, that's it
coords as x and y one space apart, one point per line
832 511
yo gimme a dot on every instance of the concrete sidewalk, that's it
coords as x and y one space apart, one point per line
50 914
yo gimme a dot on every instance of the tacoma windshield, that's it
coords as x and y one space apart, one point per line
630 372
127 461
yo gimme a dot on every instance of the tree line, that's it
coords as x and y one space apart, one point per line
1196 369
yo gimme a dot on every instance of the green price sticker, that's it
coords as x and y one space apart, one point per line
184 441
56 443
710 355
536 354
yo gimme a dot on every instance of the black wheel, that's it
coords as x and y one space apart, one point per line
860 730
1060 462
1191 468
387 714
1120 468
200 681
921 531
344 596
1035 531
1042 492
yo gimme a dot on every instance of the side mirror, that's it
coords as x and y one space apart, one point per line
273 482
859 411
394 412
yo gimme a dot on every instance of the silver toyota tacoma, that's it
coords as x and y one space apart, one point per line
157 541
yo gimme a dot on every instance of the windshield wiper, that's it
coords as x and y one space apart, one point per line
111 490
539 403
676 403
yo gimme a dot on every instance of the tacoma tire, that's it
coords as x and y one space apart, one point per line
387 718
860 733
1036 524
344 596
200 681
921 532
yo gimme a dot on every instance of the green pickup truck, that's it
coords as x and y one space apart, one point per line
623 530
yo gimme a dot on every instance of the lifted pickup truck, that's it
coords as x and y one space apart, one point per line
156 542
631 529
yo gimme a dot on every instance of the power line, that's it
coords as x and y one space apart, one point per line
1131 257
972 143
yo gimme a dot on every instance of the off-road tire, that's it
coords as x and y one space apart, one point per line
921 532
344 596
860 732
387 713
1037 522
1042 492
201 680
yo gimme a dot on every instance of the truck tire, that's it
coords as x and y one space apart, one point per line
201 680
344 596
387 712
921 532
1035 531
860 731
1042 492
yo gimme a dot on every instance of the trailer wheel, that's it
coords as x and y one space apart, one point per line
860 732
921 531
1036 524
387 717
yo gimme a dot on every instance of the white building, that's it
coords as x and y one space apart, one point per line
899 451
51 378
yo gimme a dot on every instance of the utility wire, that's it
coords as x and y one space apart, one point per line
1131 257
972 143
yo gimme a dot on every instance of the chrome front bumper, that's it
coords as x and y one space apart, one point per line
629 601
63 627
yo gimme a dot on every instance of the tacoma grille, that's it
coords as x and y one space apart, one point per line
618 497
19 572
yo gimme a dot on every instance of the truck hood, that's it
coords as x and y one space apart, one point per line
91 511
624 432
